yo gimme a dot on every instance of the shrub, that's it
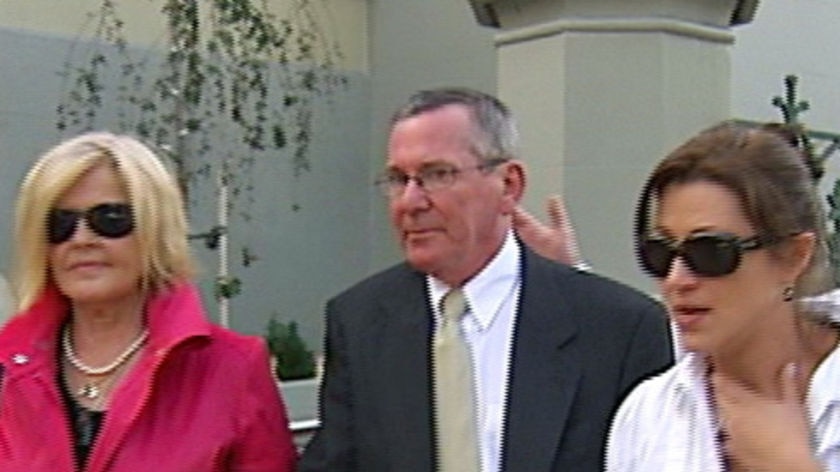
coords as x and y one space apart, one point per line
294 359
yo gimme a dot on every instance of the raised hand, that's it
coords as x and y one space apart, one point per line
555 240
764 433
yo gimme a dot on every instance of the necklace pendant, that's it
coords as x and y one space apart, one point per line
89 391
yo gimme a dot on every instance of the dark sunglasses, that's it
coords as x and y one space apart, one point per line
707 254
109 220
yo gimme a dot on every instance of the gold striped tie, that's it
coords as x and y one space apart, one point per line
455 418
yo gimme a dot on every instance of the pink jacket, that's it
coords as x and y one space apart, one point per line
200 398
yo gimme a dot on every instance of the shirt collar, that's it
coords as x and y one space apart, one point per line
690 376
488 290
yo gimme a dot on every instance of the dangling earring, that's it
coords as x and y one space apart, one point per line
787 294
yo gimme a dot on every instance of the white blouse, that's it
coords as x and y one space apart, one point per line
666 423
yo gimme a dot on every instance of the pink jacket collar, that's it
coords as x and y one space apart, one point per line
173 315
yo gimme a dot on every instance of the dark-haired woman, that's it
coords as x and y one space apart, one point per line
730 228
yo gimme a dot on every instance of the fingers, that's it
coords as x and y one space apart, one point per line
555 240
557 215
556 210
764 428
561 223
732 393
729 390
790 383
521 218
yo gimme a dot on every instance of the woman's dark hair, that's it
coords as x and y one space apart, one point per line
768 175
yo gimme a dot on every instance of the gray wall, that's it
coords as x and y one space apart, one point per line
305 256
29 91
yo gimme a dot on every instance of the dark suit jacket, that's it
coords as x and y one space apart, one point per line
581 341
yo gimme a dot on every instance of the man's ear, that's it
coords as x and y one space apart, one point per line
513 185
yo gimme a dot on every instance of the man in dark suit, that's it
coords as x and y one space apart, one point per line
551 349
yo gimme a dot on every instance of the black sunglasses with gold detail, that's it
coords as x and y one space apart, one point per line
708 253
109 220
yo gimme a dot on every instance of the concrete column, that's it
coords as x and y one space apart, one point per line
603 90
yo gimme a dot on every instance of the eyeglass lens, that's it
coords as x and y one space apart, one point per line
431 178
707 255
109 220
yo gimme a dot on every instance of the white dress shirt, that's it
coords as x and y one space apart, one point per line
666 424
488 329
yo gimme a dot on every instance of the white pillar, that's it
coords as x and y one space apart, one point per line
603 89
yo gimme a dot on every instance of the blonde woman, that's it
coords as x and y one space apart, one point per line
110 363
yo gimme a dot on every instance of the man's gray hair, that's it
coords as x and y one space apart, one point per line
496 135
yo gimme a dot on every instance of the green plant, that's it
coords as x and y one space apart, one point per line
230 69
293 359
227 286
817 147
791 107
230 84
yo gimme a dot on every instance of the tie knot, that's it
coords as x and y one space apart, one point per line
453 305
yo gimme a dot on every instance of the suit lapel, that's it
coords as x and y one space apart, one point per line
406 386
545 371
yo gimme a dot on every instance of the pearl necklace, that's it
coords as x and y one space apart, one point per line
74 360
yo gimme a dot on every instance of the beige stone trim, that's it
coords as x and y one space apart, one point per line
617 25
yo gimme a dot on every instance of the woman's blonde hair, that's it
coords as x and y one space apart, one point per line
158 208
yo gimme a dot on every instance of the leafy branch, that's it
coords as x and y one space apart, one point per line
230 84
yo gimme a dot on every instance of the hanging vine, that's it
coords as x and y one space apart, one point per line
230 69
228 84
